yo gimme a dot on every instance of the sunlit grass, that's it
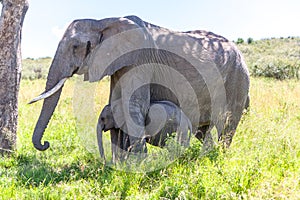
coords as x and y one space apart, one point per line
262 163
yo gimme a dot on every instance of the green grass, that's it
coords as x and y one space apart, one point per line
262 163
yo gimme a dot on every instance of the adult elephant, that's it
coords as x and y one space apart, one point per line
201 72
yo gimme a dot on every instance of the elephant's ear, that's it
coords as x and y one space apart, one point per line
119 47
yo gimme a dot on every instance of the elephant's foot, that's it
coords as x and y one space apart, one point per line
137 149
138 146
201 132
226 139
208 144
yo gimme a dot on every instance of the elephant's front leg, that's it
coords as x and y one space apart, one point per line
114 138
119 144
130 100
136 130
123 145
136 103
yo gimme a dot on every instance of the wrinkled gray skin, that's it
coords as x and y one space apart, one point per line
162 119
83 37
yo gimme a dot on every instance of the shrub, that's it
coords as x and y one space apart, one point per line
240 41
278 69
250 40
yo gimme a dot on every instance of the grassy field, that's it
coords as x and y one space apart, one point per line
262 163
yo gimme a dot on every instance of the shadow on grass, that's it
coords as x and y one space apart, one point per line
33 172
36 171
196 152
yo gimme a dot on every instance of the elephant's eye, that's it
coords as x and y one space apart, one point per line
101 38
75 47
88 48
102 118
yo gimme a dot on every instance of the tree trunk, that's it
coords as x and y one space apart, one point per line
11 21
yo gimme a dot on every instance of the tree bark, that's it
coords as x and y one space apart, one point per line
11 22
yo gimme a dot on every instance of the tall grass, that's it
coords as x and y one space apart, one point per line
262 163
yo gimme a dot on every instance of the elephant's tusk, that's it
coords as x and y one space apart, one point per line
47 94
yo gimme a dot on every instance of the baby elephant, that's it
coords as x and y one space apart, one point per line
163 118
117 136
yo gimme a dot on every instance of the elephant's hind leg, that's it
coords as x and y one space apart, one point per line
226 130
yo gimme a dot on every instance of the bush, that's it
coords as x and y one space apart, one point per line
240 41
279 70
250 40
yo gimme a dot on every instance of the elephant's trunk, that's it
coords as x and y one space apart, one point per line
48 108
99 138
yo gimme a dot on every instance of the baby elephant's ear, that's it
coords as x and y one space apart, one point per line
119 48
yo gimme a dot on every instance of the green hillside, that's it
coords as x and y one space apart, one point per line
276 58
